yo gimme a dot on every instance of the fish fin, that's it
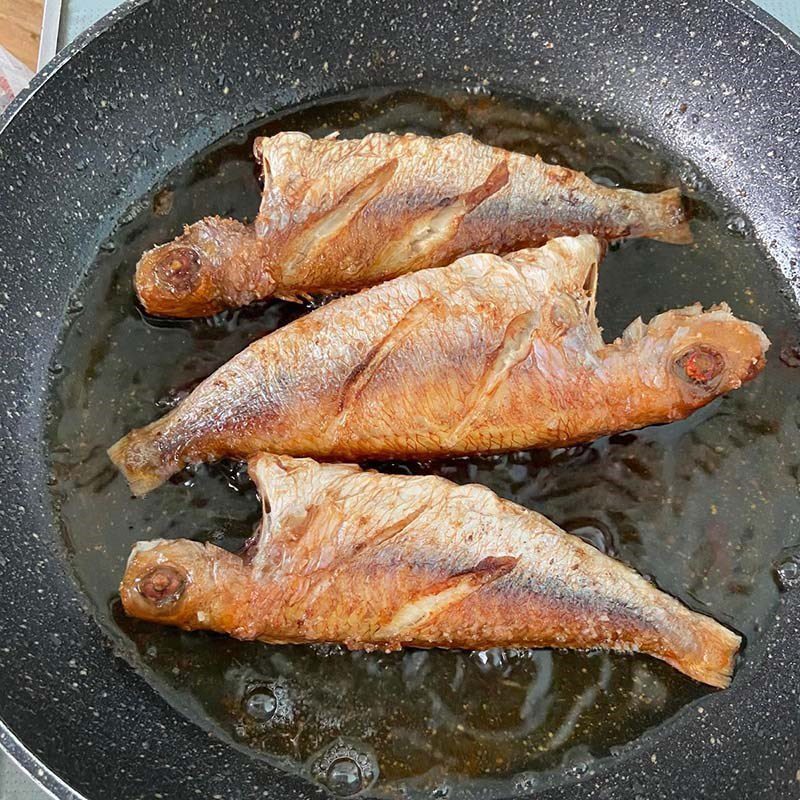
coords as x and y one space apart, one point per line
565 263
363 373
590 287
712 657
412 616
495 181
680 231
138 457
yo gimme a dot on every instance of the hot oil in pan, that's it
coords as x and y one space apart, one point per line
704 506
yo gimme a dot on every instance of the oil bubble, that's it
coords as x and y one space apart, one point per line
606 176
261 705
163 201
344 777
790 355
737 224
494 660
526 783
345 767
787 571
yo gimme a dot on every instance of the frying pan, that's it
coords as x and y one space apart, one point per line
105 121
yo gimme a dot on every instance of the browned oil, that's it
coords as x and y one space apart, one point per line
703 506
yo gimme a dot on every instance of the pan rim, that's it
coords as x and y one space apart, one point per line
30 763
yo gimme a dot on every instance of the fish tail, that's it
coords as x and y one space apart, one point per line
140 457
711 652
670 207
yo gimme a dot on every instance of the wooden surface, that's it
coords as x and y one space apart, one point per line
20 24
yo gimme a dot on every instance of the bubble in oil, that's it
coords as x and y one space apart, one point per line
175 395
737 224
163 202
576 761
606 176
261 705
345 768
526 783
235 475
75 306
344 777
493 660
787 570
186 477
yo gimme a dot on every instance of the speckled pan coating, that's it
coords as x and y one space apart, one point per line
716 81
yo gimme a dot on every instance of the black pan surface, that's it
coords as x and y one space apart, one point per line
716 94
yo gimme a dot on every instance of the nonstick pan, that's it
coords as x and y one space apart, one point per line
712 84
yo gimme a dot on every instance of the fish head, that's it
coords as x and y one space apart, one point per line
187 276
181 582
158 580
694 355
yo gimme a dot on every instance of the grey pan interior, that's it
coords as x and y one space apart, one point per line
104 121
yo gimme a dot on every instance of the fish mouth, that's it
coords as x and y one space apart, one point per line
177 270
174 280
162 586
701 366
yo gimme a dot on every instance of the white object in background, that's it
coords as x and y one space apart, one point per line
51 22
14 77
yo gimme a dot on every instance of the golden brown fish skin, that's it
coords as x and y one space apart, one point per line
380 562
340 215
487 355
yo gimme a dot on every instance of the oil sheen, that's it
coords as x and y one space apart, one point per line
705 506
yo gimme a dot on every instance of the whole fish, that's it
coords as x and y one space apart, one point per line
489 354
378 561
340 215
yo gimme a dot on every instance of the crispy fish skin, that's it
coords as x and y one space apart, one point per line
486 355
379 561
340 215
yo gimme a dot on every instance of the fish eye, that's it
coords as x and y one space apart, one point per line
700 365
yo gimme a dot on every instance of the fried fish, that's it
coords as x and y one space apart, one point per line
489 354
340 215
377 561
